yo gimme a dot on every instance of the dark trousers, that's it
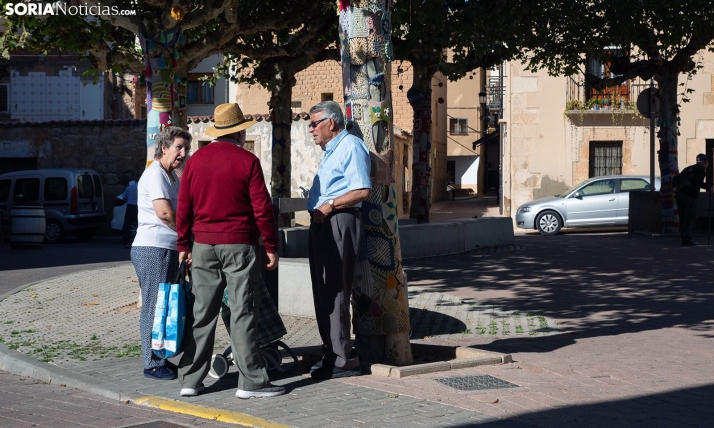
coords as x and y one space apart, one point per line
333 250
131 222
687 206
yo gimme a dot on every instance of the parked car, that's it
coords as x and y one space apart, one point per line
72 198
598 201
117 222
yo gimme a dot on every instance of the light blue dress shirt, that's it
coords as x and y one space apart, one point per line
344 168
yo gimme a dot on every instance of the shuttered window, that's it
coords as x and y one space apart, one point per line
605 158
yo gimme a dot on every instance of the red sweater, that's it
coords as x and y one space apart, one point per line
223 199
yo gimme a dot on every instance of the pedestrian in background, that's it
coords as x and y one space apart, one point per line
336 235
686 186
154 252
131 211
224 203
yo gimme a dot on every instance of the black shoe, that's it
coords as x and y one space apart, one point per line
318 365
335 372
160 373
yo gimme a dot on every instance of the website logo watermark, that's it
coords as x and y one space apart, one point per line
65 8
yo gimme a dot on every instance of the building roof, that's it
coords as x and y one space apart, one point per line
257 117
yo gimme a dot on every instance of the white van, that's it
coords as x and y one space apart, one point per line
73 199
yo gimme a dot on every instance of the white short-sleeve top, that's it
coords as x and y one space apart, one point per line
155 183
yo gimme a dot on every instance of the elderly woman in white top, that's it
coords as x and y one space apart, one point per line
153 252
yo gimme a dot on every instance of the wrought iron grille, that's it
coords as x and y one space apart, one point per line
605 158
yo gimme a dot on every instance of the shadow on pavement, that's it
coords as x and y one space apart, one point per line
70 252
683 407
594 285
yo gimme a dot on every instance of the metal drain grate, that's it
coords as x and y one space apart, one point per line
476 383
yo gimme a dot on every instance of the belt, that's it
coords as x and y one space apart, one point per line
349 210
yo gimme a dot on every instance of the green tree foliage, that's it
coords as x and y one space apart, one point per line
453 37
657 39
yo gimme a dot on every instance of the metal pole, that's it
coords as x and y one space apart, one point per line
652 136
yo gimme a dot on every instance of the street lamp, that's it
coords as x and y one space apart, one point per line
485 113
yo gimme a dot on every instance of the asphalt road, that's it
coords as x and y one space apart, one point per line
21 267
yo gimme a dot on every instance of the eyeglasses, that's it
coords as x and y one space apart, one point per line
314 124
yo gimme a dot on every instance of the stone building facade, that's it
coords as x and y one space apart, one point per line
115 148
547 149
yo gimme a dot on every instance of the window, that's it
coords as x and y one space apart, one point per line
4 98
26 190
326 96
97 186
4 190
198 91
603 187
55 189
627 184
458 126
296 106
605 158
85 188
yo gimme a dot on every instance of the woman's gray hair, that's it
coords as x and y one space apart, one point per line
166 139
331 110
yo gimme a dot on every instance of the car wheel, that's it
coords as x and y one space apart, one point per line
548 223
85 234
54 232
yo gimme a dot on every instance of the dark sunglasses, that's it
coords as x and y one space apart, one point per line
314 124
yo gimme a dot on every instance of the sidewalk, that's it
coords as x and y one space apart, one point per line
606 329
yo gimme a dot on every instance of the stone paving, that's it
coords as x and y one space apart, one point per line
25 402
41 320
628 341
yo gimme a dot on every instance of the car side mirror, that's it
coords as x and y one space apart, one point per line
578 195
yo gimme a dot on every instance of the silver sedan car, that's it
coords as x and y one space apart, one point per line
598 201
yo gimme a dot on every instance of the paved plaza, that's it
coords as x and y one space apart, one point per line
605 329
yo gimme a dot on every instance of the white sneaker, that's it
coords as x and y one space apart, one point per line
268 391
192 392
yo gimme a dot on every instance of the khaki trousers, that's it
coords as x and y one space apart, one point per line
235 267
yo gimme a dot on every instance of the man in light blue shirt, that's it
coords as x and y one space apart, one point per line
341 184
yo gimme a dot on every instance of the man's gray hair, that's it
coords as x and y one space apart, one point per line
331 110
166 139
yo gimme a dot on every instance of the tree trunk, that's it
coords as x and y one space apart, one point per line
668 162
161 61
380 305
281 88
419 96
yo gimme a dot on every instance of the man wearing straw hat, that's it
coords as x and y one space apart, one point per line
224 203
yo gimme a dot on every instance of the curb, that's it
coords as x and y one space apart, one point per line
20 364
205 412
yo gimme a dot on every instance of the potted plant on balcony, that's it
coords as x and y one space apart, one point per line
606 103
593 104
574 105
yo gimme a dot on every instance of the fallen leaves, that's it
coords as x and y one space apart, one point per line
494 402
392 395
90 304
33 296
95 295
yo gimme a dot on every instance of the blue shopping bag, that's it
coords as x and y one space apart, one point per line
170 318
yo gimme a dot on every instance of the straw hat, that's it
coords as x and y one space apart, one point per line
227 119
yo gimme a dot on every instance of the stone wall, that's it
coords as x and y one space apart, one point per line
115 148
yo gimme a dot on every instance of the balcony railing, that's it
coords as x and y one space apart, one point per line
495 91
624 96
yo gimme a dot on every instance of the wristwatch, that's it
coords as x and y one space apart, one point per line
331 203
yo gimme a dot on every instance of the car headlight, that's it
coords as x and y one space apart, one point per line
524 209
